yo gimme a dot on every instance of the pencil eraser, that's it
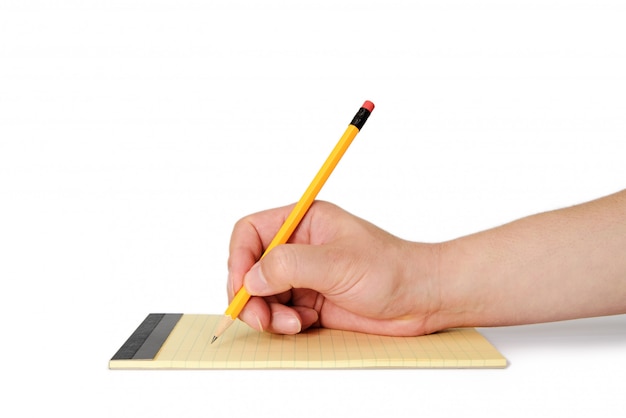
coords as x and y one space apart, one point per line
368 105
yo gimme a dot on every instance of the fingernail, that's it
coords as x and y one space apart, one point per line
258 321
254 281
286 323
230 287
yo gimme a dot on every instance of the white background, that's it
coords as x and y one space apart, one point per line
133 134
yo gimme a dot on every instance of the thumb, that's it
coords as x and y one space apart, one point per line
293 266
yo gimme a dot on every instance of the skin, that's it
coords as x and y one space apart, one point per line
339 271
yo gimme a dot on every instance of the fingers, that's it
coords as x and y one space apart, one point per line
277 317
252 234
275 312
318 267
249 237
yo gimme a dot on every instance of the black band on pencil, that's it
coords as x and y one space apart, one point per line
360 118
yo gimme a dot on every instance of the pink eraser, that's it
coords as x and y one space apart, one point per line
368 105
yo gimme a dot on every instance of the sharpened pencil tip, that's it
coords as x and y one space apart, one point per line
214 338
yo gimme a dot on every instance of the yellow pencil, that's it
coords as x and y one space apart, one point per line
298 212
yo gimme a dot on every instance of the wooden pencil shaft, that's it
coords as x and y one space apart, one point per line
301 208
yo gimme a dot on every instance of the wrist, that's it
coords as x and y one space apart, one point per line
457 297
431 297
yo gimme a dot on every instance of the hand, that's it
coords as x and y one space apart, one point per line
337 271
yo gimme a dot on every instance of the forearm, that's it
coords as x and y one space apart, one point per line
557 265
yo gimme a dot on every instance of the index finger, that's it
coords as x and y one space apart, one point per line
250 236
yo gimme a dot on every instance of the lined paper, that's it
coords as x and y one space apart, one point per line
241 347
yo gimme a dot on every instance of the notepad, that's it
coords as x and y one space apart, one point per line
182 341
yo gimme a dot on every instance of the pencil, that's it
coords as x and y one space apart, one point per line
300 209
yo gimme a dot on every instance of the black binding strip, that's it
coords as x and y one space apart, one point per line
154 342
148 338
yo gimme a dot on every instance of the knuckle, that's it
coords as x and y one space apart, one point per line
281 263
242 223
